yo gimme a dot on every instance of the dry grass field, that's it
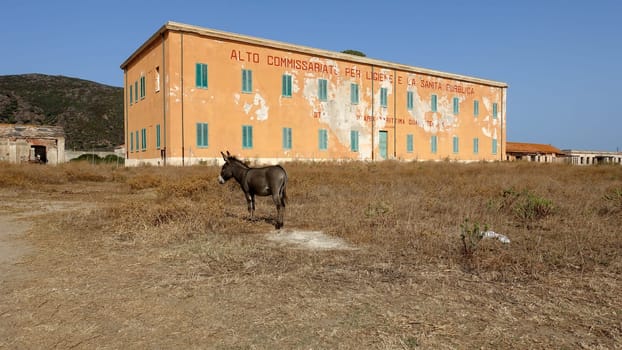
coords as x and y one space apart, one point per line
163 258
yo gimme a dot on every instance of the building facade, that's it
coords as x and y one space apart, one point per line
583 157
32 144
191 92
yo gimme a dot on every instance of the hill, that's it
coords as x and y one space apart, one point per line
90 113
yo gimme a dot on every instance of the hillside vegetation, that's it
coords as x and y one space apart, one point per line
165 257
90 113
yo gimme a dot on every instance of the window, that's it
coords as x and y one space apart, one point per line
475 108
143 87
131 95
354 93
383 97
494 146
131 142
455 144
143 143
247 136
354 141
410 143
202 135
136 91
433 102
247 80
475 145
286 88
201 75
323 139
322 92
434 144
287 138
494 111
137 141
456 105
157 136
410 100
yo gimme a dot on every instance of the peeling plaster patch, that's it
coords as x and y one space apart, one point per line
247 107
262 112
236 98
486 131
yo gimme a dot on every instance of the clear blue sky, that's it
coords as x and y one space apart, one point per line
561 59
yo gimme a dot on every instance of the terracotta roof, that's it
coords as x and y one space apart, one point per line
531 148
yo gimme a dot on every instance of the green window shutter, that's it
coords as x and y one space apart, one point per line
202 135
286 89
354 93
354 140
494 111
323 90
456 105
323 139
131 95
475 108
201 75
455 144
433 144
136 91
247 80
144 139
137 148
157 136
287 138
494 146
247 136
142 87
383 97
409 143
131 142
476 145
433 102
410 100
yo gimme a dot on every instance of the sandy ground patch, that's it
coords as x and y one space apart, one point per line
313 240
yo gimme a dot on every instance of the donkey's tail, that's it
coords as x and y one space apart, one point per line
282 190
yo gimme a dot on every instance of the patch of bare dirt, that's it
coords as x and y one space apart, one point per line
313 240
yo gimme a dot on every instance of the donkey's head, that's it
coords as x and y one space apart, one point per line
226 172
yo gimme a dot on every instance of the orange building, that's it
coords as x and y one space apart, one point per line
191 92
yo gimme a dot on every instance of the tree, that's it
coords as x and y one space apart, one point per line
354 52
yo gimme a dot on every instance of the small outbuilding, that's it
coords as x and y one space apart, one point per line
533 152
20 143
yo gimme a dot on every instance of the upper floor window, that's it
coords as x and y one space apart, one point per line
494 110
322 92
247 80
201 75
286 87
475 108
143 87
354 93
410 103
383 97
433 103
456 105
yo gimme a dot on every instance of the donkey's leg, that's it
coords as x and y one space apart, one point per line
279 211
250 201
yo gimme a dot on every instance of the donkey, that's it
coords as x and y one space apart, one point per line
266 181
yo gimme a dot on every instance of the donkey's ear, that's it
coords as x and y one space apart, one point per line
224 156
228 155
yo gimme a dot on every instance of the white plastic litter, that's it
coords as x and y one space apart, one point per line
493 234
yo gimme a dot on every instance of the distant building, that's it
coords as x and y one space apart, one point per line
592 157
533 152
192 92
32 144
